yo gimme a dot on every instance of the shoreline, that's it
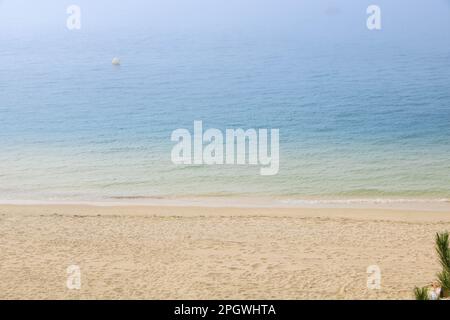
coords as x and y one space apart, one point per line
198 211
424 205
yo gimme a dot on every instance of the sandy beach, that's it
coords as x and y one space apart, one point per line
189 252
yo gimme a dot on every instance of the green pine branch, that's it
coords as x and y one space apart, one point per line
443 250
421 293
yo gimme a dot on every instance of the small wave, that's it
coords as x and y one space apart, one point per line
359 201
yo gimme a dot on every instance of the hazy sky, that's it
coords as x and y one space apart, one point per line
408 17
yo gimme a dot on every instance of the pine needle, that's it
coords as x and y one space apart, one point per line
443 250
421 293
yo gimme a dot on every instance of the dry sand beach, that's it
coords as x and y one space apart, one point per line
176 252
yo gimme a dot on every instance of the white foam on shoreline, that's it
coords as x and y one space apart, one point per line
349 201
392 204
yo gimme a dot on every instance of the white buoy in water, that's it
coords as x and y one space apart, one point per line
116 61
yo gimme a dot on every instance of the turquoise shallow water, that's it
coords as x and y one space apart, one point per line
358 118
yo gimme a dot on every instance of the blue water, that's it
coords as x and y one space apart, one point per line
360 118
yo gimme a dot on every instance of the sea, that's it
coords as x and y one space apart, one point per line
363 117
